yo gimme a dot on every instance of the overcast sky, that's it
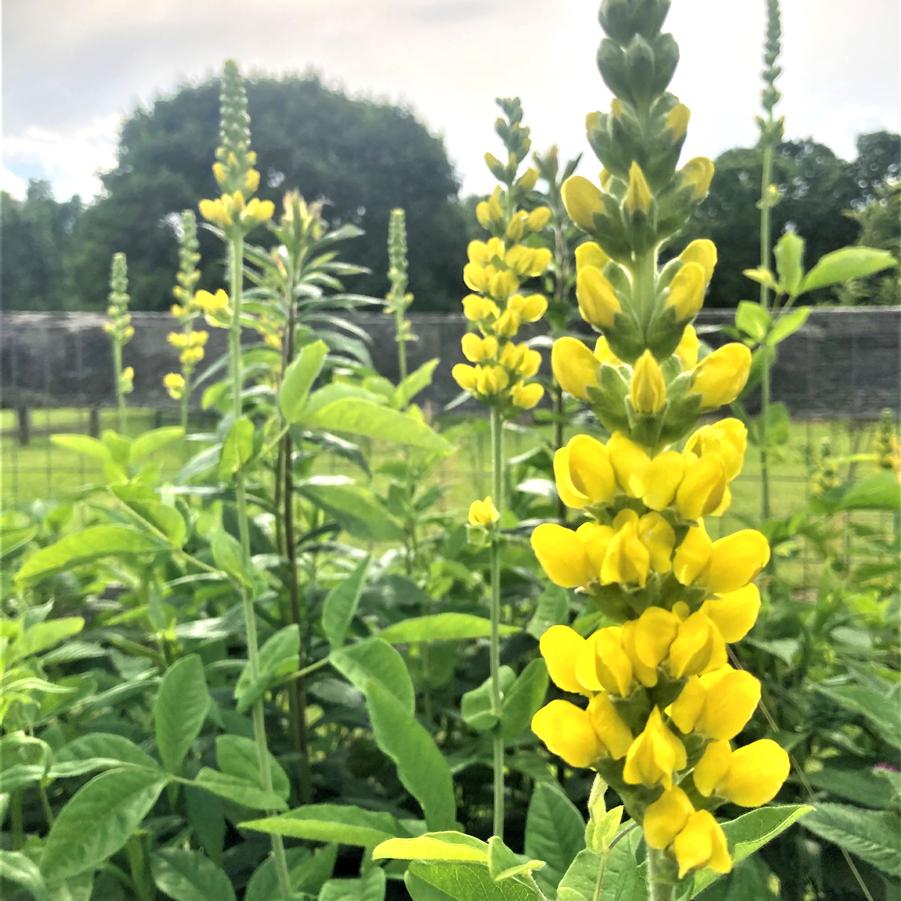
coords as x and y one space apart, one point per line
73 69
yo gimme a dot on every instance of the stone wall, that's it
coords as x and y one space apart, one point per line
843 364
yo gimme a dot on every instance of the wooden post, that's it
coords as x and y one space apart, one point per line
23 417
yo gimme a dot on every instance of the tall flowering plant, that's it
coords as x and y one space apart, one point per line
656 705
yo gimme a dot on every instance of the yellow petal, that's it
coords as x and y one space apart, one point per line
591 254
582 200
702 843
560 646
574 366
655 630
562 555
735 560
654 755
756 773
598 302
566 731
630 463
666 817
735 612
721 375
711 769
662 478
693 555
609 726
697 646
647 387
731 697
702 488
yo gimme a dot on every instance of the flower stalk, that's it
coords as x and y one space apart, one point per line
118 326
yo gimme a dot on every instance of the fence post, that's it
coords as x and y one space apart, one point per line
23 418
94 422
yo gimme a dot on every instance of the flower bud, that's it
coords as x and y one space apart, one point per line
647 388
574 366
528 179
483 513
598 303
686 291
562 556
703 487
702 843
697 174
687 348
583 201
566 731
538 218
174 383
721 375
638 197
677 121
654 755
591 254
583 473
703 252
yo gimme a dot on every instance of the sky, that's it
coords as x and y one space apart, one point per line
72 70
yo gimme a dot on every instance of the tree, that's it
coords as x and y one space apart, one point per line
363 157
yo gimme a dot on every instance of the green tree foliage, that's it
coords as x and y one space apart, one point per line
818 190
364 158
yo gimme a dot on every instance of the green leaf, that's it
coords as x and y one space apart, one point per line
787 325
752 319
340 604
762 277
461 882
853 782
355 507
504 864
789 254
448 845
98 820
416 381
81 547
523 699
442 627
97 751
623 878
189 876
307 872
299 378
23 759
867 703
369 887
240 791
876 492
278 657
180 709
845 264
85 445
555 831
358 416
148 443
477 704
16 867
750 832
343 824
237 449
228 555
238 756
146 503
420 767
873 835
41 636
374 660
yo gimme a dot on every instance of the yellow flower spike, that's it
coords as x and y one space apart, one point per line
477 349
252 181
560 646
476 277
598 303
538 218
693 555
583 473
703 252
464 376
630 463
665 818
703 487
591 254
582 200
721 375
718 704
698 646
697 174
677 121
603 665
711 769
609 726
604 355
647 388
646 675
658 537
211 303
655 630
686 291
483 214
688 347
476 308
662 478
735 560
735 612
638 197
219 173
527 396
628 560
702 843
174 383
756 773
562 555
655 755
727 438
483 513
478 254
566 731
574 366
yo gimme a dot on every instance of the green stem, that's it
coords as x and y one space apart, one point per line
644 286
185 399
497 476
659 889
250 624
765 375
120 397
559 439
399 332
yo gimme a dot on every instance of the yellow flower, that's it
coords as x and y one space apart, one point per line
598 303
491 380
735 560
662 477
574 366
647 388
609 726
697 174
216 211
258 211
538 218
718 704
529 308
566 731
703 252
562 555
654 755
583 201
703 488
702 843
464 376
735 612
476 308
658 537
591 254
503 284
687 349
251 181
483 513
627 560
686 291
655 630
476 277
727 438
602 663
720 376
638 194
507 324
174 383
603 353
211 303
693 555
560 646
749 776
477 349
630 463
677 121
583 473
698 646
646 675
526 396
666 817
